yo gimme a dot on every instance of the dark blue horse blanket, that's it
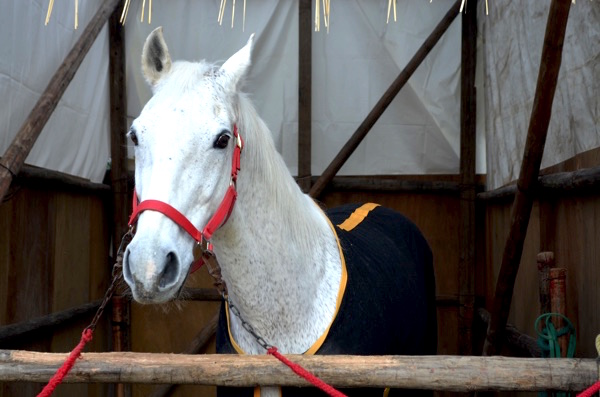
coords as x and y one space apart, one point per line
388 307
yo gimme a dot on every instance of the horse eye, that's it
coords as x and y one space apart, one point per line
222 140
132 135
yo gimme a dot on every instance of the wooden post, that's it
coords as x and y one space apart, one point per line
118 129
304 94
17 152
558 303
468 193
545 261
120 322
118 179
387 98
530 166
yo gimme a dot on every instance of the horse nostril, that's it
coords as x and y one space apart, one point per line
171 269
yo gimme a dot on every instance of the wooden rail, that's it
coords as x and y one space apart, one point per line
451 373
586 180
12 331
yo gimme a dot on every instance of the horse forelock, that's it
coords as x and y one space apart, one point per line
188 76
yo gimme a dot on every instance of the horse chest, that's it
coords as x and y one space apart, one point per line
387 306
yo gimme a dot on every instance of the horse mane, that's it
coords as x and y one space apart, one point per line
267 167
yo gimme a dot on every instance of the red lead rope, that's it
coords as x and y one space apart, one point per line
303 373
68 364
590 391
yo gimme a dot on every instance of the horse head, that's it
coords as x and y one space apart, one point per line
184 146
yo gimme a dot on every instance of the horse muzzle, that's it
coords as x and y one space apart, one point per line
152 271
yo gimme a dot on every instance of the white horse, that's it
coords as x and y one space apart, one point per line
281 257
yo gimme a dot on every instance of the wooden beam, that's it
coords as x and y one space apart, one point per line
19 330
387 98
581 181
304 94
449 373
19 149
396 184
467 230
534 148
42 177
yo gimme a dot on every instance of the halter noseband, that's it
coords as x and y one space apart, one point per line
218 219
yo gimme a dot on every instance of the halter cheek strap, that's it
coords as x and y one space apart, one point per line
219 218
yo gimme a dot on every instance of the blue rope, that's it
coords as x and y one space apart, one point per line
548 340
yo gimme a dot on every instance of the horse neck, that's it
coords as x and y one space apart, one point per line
277 252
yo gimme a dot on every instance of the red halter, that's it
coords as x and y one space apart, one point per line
218 219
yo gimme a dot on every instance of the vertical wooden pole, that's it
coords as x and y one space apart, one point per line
557 278
19 149
118 179
467 232
118 129
304 94
545 261
530 166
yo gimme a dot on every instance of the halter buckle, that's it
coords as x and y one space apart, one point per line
201 249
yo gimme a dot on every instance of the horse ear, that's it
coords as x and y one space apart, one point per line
236 67
156 61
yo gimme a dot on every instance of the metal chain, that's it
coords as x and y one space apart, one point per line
117 273
247 326
214 269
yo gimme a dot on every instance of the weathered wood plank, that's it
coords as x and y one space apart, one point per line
452 373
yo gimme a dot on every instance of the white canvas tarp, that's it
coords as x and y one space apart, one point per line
75 140
353 65
513 35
